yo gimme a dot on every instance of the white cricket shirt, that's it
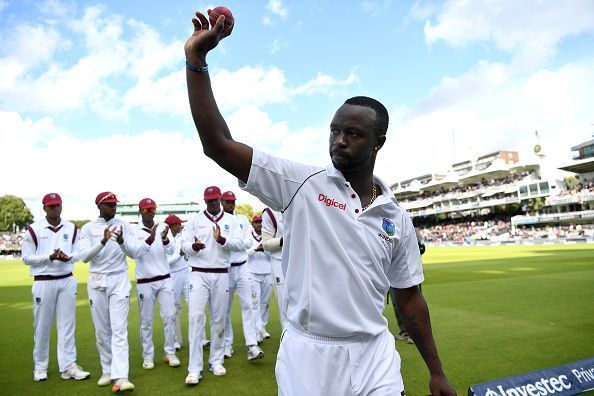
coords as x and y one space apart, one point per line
214 255
177 261
40 241
244 234
112 256
258 262
152 262
338 260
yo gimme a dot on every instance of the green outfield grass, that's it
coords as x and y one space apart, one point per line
496 312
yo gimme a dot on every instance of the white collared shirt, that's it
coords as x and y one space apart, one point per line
112 256
258 262
177 261
214 255
152 262
338 260
244 234
40 241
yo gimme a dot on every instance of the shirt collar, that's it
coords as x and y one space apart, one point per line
215 218
331 171
385 197
46 224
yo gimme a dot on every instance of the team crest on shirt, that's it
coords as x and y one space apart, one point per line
141 296
38 300
91 303
226 227
388 226
65 236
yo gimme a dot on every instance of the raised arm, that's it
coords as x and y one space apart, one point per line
217 143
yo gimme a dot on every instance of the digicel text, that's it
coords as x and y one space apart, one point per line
331 202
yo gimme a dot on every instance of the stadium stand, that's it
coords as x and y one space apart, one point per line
498 199
10 244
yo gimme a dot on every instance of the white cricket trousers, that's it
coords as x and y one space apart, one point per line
205 285
240 279
162 291
109 310
321 366
49 296
181 286
261 291
278 281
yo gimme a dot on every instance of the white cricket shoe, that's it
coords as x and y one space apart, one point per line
177 346
148 364
172 360
228 351
265 334
75 372
193 378
205 343
254 352
219 371
40 375
123 385
104 380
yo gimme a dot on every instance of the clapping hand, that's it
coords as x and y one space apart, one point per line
198 244
119 233
60 256
107 233
216 232
164 233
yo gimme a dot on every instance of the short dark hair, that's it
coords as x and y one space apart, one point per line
380 111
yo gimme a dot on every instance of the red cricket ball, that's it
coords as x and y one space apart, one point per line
229 20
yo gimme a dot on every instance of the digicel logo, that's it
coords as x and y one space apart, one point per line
331 202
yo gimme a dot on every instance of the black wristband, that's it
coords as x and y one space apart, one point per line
203 69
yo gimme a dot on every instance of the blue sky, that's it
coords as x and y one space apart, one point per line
93 96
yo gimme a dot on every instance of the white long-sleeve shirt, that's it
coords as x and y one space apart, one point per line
152 262
244 234
178 261
40 241
258 262
272 232
112 256
214 255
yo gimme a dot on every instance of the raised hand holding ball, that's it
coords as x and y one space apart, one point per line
214 14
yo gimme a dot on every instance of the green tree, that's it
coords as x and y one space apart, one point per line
79 223
13 212
245 209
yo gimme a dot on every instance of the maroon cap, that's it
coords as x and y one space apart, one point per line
173 219
147 203
106 197
212 192
51 199
257 217
228 196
